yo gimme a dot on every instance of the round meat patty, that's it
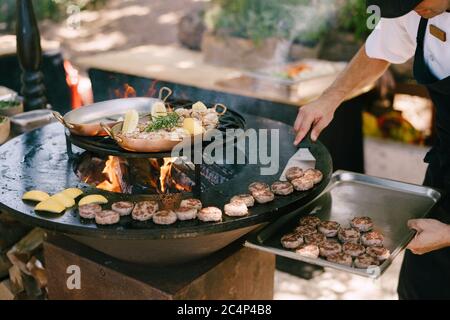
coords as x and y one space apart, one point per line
309 251
315 238
310 220
258 186
341 258
123 208
185 213
236 209
303 184
282 188
372 239
314 174
380 253
210 214
294 173
165 217
329 228
107 217
306 230
292 240
349 235
263 196
88 211
191 203
353 249
364 261
328 248
245 198
144 210
363 224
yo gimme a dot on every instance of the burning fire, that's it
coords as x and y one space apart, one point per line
112 168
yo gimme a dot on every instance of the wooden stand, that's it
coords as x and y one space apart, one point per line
232 273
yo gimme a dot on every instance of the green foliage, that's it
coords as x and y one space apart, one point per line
169 121
353 18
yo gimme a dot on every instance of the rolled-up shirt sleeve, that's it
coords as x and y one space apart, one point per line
391 41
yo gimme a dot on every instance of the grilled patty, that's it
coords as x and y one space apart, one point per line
107 217
165 217
144 210
245 198
294 173
124 208
210 214
282 188
236 209
88 211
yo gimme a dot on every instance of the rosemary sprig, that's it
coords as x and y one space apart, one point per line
5 104
163 122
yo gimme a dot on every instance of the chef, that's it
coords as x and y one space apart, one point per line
407 28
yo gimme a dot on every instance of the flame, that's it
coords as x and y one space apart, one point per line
126 92
112 183
166 173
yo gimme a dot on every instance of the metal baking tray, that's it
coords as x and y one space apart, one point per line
389 203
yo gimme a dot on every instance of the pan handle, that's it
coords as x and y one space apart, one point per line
60 118
219 105
110 132
161 93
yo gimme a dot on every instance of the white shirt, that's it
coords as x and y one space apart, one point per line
394 40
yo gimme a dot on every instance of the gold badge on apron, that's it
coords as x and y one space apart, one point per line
438 33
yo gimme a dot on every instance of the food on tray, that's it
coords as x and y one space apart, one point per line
123 208
294 173
258 186
106 217
353 249
159 109
144 210
372 239
349 235
210 214
73 192
329 228
329 247
247 199
312 221
365 260
165 217
66 201
306 230
341 258
314 174
303 183
93 198
315 238
50 205
380 253
308 250
130 122
282 188
186 213
236 209
193 126
292 240
199 107
191 203
35 195
363 224
264 196
88 211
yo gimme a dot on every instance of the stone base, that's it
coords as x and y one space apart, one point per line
232 273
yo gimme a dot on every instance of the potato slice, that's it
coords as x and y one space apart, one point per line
35 195
65 200
199 107
159 109
50 205
93 198
193 126
131 121
73 192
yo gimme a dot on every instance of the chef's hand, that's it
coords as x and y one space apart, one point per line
431 235
316 116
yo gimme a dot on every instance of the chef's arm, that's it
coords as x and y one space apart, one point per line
361 72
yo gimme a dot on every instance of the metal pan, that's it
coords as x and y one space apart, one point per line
389 203
151 145
85 121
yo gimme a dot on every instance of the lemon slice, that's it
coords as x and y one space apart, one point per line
50 205
35 195
159 109
199 107
193 126
93 198
65 200
131 121
73 192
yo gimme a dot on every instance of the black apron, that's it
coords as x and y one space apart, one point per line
428 276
